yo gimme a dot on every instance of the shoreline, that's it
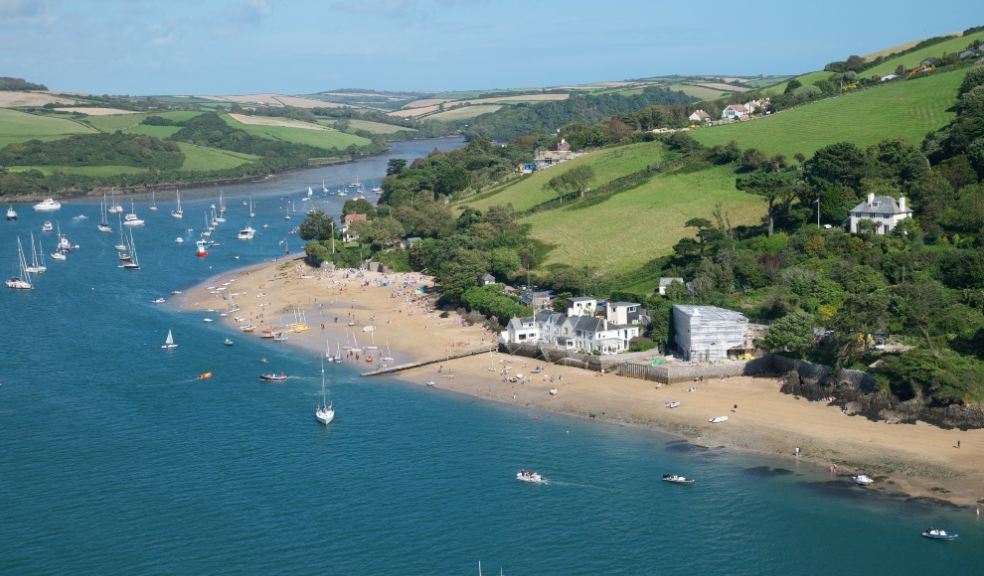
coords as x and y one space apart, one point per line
917 461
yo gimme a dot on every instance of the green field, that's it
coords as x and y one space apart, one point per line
161 132
607 164
203 158
328 139
805 79
631 228
699 91
374 127
125 122
20 127
907 110
464 113
83 170
912 59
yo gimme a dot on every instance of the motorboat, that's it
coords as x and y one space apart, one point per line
207 320
228 342
179 240
248 328
271 377
47 226
677 479
200 249
672 404
11 213
938 534
246 233
862 479
47 205
131 219
160 301
718 419
58 256
280 337
530 476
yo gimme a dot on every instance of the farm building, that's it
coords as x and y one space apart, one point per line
884 211
707 333
699 116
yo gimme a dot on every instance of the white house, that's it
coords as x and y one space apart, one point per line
705 333
699 116
488 279
884 211
666 281
579 330
733 111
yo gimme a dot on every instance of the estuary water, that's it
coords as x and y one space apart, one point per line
116 459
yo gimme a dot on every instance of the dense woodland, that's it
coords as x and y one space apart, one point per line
19 84
826 295
518 120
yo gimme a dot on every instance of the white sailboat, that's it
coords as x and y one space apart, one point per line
169 341
153 201
219 219
103 225
37 265
133 263
389 356
121 247
115 208
310 194
323 187
252 214
23 281
178 212
325 413
222 207
11 213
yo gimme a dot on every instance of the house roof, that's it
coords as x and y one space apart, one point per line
589 323
885 204
667 280
712 312
700 114
581 299
623 304
349 218
488 277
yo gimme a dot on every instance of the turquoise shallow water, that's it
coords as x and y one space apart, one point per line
115 460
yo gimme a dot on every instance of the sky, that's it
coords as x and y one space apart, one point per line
143 47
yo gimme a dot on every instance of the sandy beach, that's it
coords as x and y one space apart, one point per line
395 314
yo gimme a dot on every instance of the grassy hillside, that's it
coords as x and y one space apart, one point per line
464 112
631 228
370 126
911 60
20 127
607 164
204 158
327 139
96 171
127 122
906 110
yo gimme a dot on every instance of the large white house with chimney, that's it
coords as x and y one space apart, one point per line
886 212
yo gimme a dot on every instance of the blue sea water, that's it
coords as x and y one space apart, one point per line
115 459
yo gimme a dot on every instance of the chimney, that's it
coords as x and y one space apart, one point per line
901 203
871 198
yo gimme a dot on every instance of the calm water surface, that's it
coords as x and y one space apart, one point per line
114 459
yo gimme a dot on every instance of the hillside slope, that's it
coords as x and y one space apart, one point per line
906 110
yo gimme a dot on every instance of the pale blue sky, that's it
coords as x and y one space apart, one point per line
240 46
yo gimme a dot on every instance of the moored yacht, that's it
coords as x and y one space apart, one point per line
246 233
178 212
677 479
324 413
938 534
47 226
11 213
47 205
131 219
23 281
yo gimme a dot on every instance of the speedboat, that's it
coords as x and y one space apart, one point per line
179 240
677 479
206 320
937 534
672 404
47 226
47 205
246 233
271 377
862 479
132 220
59 256
159 301
228 342
11 213
530 476
718 419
